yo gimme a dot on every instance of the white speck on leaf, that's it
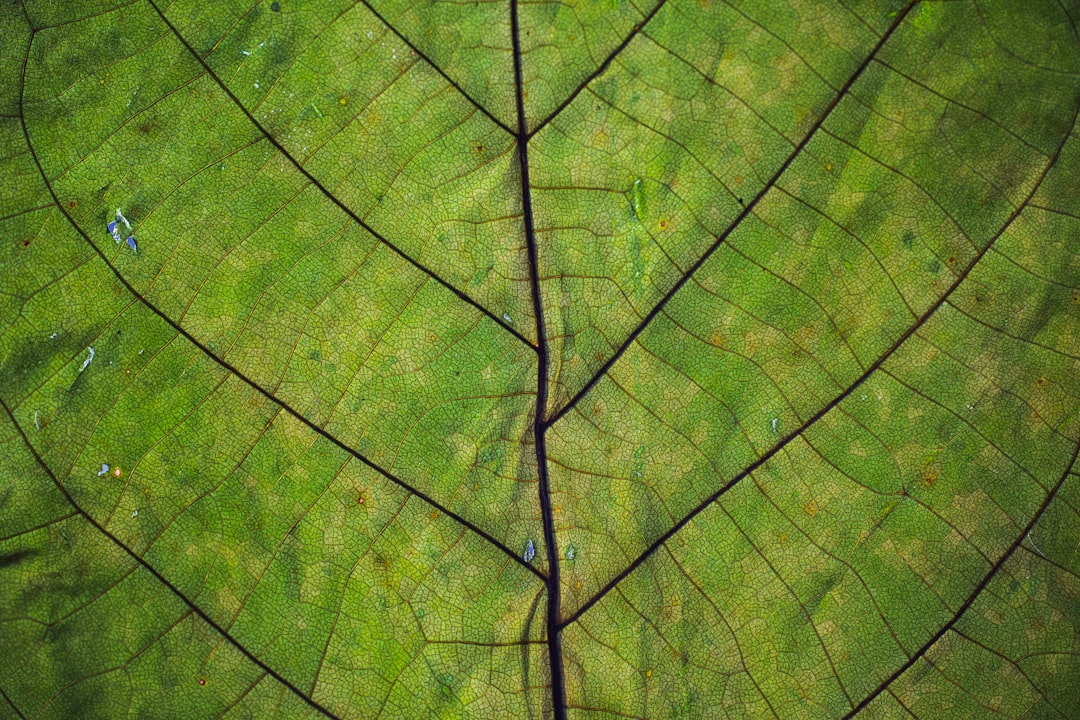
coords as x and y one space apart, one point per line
775 422
134 513
506 317
36 423
1036 547
104 469
530 551
87 360
571 552
53 336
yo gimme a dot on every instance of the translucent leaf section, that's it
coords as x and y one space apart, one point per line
279 535
323 117
859 250
665 359
579 38
472 42
846 573
661 154
250 256
1013 653
89 632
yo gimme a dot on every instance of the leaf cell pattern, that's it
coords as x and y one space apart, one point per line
520 360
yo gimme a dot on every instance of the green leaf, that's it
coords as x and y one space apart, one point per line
678 359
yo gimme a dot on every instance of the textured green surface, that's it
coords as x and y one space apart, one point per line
794 433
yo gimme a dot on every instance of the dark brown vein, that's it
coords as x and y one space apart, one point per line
554 602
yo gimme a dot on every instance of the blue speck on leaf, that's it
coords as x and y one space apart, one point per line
131 242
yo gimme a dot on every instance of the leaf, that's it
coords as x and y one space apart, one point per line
676 359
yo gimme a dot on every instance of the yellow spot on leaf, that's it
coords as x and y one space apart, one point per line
811 509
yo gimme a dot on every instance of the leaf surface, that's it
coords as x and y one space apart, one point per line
671 359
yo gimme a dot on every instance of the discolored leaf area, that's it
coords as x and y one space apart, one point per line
670 359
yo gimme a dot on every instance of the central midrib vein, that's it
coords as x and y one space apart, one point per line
553 631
